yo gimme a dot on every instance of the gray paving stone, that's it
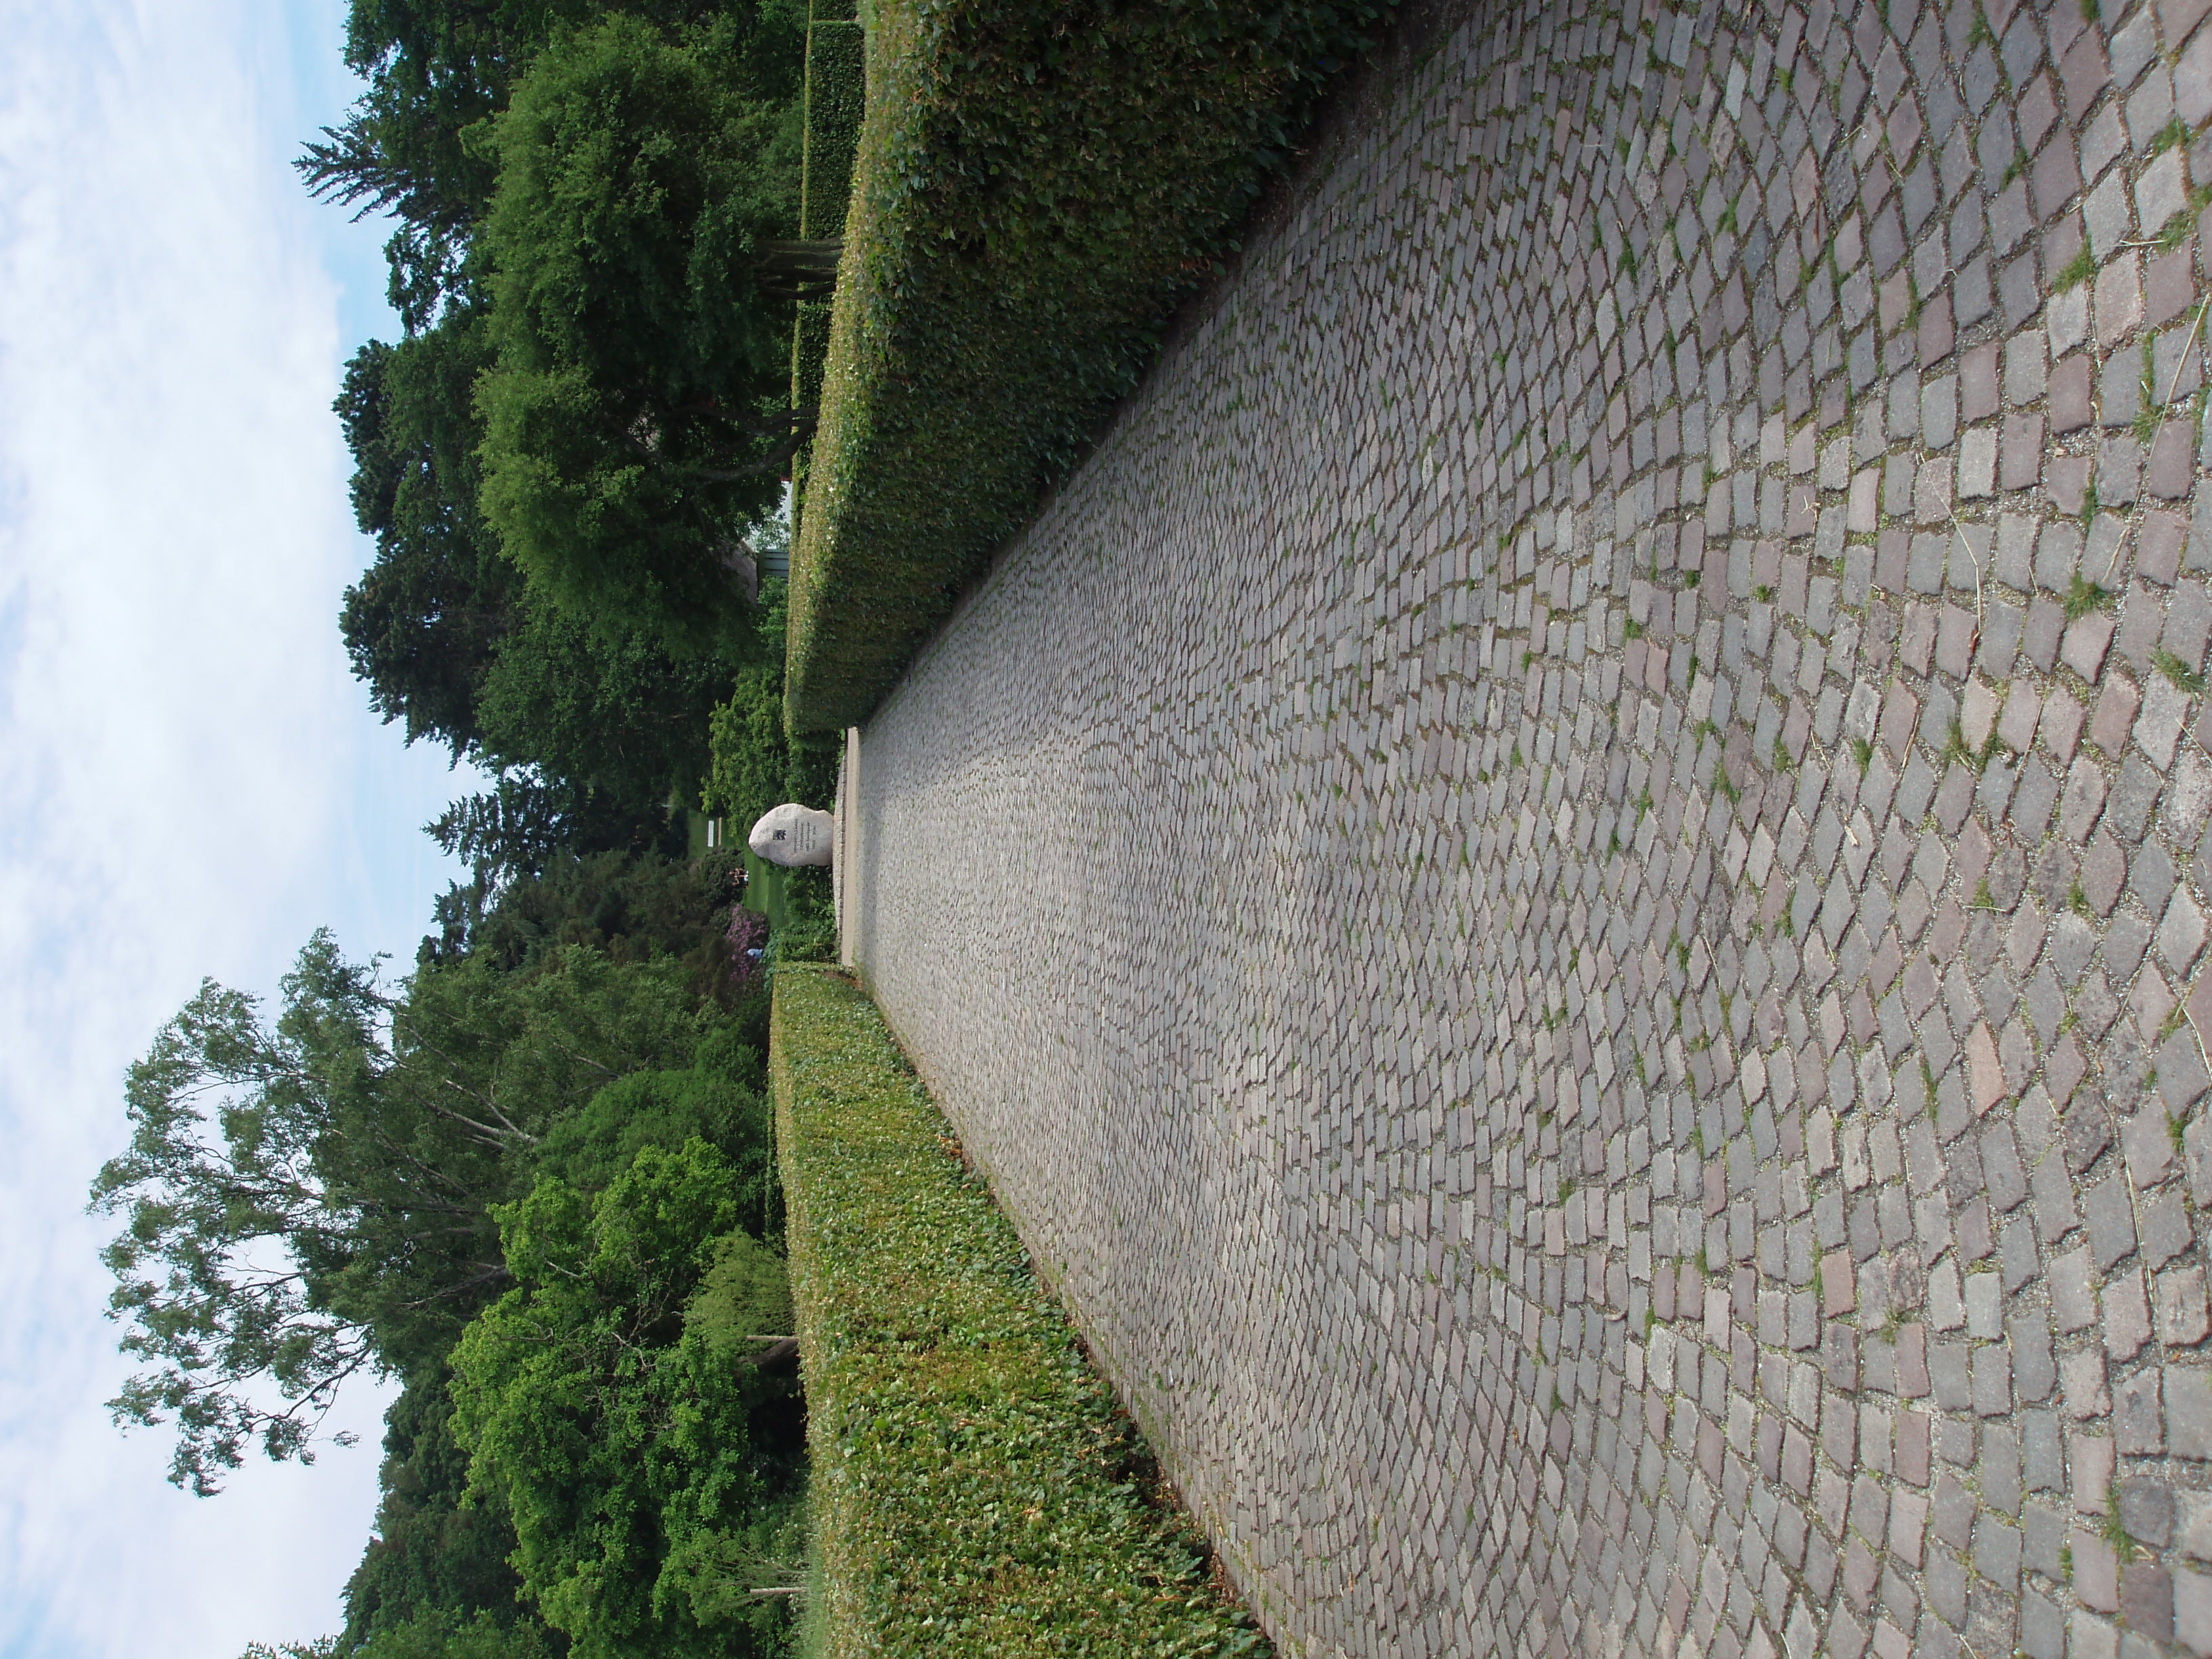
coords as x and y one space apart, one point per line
1555 814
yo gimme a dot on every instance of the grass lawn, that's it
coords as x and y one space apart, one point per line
768 891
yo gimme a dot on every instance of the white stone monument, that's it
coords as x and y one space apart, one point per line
792 834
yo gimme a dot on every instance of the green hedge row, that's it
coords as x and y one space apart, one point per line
974 1490
1036 187
836 95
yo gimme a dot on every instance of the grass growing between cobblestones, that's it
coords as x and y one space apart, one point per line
976 1489
1035 190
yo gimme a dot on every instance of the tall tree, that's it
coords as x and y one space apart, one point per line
311 1200
434 1556
628 905
636 419
614 1401
526 823
611 709
427 619
436 71
590 728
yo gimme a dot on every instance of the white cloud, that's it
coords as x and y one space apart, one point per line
189 779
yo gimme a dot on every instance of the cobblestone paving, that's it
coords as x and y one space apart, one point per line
1565 887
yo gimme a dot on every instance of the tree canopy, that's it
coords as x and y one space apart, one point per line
587 730
621 1422
436 71
562 458
427 619
312 1199
529 1180
438 1560
637 418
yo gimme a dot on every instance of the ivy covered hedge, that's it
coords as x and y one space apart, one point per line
834 97
975 1489
1036 187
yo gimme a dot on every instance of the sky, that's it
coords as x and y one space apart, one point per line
190 779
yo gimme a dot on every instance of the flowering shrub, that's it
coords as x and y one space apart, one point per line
747 938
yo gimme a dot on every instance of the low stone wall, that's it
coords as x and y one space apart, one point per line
1563 888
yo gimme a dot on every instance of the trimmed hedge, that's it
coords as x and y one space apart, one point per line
836 95
975 1491
1036 187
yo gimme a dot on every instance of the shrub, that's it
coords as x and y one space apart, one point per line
750 762
609 1403
1036 187
975 1489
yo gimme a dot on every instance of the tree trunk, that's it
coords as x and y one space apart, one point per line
797 270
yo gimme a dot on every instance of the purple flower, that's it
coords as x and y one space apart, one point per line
747 938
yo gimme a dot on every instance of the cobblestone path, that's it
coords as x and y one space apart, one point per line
1565 886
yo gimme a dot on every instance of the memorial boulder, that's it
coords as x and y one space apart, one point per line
791 835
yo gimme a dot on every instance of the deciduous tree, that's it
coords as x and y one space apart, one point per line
308 1201
636 420
610 1400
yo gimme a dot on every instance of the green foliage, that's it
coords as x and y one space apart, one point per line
834 104
585 729
612 709
525 822
587 410
719 1101
427 617
742 1300
2174 133
441 1634
751 763
2183 676
2113 1530
831 108
435 1560
305 1201
436 71
812 776
810 931
754 764
976 1489
589 207
1036 190
636 420
2179 224
441 1553
629 906
642 1458
2082 597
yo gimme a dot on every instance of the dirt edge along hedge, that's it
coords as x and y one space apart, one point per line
1036 188
975 1488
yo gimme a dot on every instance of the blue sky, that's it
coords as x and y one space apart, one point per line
190 779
